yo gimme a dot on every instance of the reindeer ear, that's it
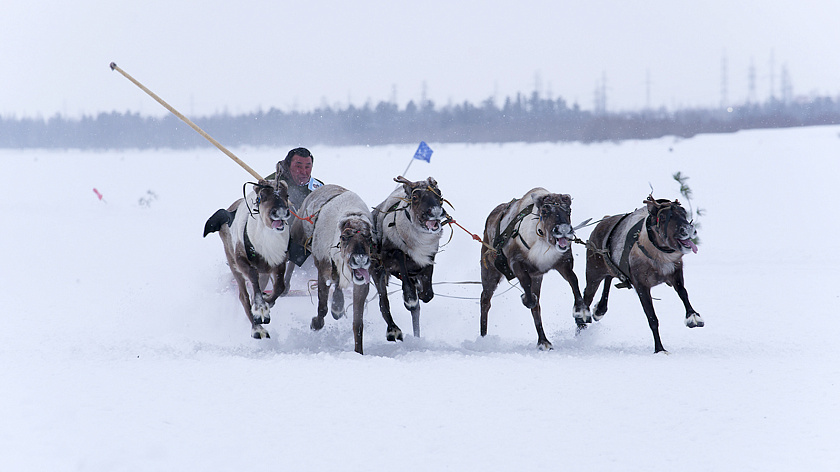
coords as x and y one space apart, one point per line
432 182
537 199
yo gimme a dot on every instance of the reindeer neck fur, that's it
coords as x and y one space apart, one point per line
420 246
337 207
271 245
541 254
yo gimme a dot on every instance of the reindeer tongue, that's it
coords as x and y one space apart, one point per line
277 224
690 243
364 273
432 224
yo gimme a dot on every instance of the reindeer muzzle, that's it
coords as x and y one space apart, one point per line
360 263
432 219
685 235
279 218
563 236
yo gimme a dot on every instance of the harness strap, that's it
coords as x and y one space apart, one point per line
512 229
622 270
502 238
631 240
250 250
606 254
652 235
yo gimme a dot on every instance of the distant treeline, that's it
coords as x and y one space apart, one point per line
523 118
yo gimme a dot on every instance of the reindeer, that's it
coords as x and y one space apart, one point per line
338 229
407 231
526 238
255 235
643 249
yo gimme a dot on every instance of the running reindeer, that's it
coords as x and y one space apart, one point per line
255 235
529 237
643 249
338 228
407 230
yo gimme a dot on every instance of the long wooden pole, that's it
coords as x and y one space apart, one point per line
187 121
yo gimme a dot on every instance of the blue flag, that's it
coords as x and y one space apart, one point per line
424 152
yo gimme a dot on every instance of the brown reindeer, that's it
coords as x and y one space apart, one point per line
338 230
407 231
643 249
255 235
530 236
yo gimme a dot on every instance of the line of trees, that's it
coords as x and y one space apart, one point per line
521 118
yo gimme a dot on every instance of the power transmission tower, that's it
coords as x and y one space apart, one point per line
724 83
772 75
752 97
787 86
600 98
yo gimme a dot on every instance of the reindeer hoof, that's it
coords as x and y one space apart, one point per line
317 323
545 346
258 332
337 315
583 316
599 313
529 301
694 321
261 314
394 334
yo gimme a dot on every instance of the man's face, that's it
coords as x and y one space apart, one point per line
301 169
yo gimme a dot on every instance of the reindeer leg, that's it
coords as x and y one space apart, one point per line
380 279
647 305
596 271
601 309
323 294
490 278
360 293
424 284
259 308
528 298
580 309
279 286
542 340
287 278
409 289
337 305
692 318
257 331
411 302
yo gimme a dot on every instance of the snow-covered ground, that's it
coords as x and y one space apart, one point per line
123 345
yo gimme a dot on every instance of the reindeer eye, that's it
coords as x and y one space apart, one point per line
540 232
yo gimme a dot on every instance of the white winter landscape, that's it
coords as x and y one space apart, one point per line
123 346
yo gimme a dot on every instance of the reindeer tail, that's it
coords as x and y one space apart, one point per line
218 219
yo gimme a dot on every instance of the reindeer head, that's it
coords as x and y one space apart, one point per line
356 242
273 203
668 226
555 219
425 204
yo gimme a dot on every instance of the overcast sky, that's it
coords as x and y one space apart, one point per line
239 56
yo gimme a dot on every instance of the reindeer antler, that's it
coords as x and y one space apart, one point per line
402 180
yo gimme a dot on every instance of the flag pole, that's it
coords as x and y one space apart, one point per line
406 167
187 121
